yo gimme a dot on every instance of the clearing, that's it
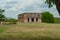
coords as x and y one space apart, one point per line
30 31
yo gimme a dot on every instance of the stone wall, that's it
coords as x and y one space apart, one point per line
29 17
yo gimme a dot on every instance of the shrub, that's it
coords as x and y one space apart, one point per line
47 17
11 21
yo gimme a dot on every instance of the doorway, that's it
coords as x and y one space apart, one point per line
28 19
32 19
36 19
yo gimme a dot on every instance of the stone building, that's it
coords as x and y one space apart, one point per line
29 17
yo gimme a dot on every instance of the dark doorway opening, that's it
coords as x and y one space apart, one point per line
36 19
28 19
32 19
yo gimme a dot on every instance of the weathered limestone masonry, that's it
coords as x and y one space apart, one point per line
29 17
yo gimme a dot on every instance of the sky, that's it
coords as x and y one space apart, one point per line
14 7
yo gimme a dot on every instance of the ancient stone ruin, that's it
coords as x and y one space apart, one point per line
29 17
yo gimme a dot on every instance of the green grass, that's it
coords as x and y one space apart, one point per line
57 20
31 31
3 28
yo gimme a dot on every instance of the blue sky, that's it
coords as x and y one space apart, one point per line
14 7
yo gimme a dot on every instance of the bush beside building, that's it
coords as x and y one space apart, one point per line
47 17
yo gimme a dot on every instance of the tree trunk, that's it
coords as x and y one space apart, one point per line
57 2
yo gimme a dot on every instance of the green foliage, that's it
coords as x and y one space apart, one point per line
47 17
2 17
1 11
50 2
11 20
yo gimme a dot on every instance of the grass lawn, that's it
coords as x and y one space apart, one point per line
57 20
30 31
3 28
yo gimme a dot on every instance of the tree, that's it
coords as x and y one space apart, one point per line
56 2
11 20
47 17
1 11
2 17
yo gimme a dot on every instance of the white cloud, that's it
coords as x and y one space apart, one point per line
14 7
